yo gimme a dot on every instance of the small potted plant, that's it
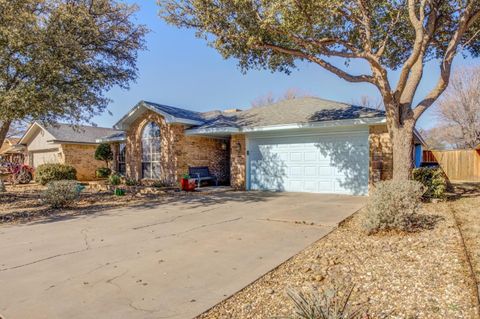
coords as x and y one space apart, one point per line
187 183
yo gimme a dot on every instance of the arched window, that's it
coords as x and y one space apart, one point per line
151 151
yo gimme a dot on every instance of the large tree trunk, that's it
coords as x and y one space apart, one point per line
4 127
402 141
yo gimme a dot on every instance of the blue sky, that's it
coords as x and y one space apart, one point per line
180 70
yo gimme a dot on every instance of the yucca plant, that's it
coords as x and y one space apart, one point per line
334 303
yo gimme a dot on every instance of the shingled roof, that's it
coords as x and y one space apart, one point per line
294 111
67 133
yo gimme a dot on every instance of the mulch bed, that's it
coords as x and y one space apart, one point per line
416 275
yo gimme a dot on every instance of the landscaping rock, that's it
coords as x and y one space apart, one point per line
397 275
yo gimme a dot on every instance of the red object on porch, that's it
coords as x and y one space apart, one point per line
188 184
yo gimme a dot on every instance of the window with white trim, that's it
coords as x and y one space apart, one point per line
151 147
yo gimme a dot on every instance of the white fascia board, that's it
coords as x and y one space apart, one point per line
110 140
170 118
29 132
352 122
120 125
416 133
294 126
213 131
70 142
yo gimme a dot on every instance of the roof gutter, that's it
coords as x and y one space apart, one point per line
416 133
110 140
71 142
282 127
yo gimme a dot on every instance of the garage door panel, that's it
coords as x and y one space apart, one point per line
310 156
296 156
310 186
324 164
311 171
325 186
296 185
325 171
298 171
47 157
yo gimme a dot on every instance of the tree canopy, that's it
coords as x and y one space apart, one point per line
104 153
387 34
59 57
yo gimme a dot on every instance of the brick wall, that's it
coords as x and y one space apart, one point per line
82 158
211 152
177 151
170 137
238 161
381 159
115 149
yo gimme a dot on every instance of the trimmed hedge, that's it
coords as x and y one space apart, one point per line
46 173
434 180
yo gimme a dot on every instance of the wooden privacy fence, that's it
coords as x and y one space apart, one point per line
460 165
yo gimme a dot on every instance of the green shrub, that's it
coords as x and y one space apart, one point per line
103 172
393 205
104 153
131 182
333 303
434 180
46 173
161 184
114 179
119 192
61 194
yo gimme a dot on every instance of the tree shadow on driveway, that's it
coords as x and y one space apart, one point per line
184 200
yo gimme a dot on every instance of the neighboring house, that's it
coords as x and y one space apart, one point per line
11 151
66 144
299 145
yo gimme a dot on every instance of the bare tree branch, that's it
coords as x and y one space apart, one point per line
446 64
344 75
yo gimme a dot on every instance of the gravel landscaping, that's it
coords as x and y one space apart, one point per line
467 212
417 275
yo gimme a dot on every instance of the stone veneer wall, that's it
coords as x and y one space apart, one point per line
238 161
381 154
82 158
178 151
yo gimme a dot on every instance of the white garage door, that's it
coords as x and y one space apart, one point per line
317 164
39 158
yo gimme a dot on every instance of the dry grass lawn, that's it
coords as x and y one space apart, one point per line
23 203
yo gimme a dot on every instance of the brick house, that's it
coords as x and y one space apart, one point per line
64 144
302 145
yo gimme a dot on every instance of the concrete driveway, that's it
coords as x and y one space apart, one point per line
173 260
